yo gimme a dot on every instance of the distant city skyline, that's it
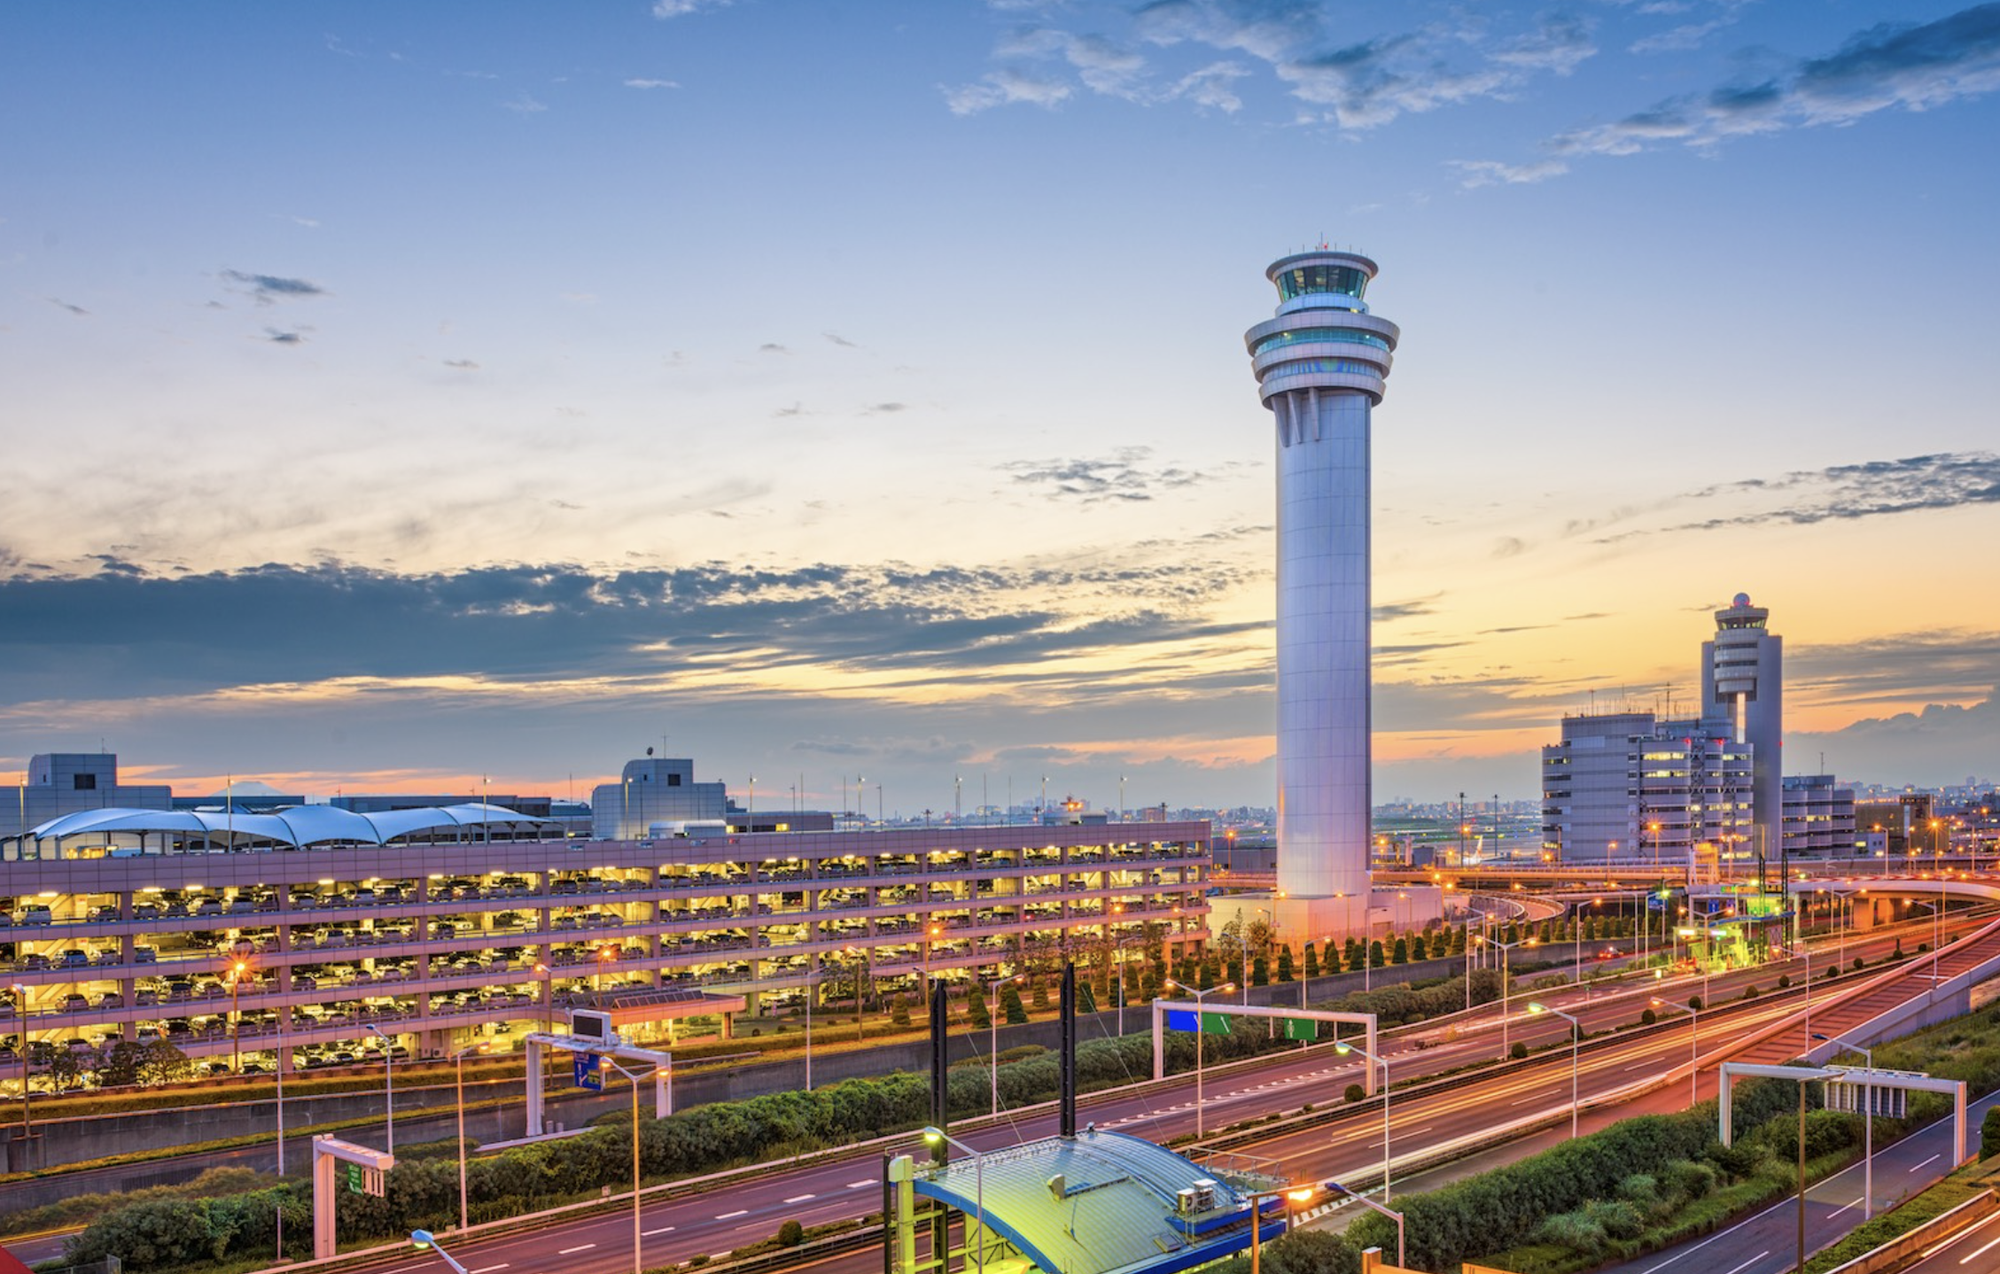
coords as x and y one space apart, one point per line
400 397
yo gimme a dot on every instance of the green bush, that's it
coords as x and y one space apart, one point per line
1519 1051
790 1234
1989 1133
1356 1092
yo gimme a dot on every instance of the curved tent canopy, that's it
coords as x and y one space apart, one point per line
298 826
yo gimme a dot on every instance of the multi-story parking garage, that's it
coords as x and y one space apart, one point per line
303 938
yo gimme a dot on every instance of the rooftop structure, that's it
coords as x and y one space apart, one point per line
1099 1203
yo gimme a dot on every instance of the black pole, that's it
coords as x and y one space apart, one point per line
939 1066
1068 1062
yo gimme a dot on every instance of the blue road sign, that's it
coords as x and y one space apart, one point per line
587 1073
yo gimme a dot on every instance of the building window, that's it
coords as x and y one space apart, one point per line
85 782
673 780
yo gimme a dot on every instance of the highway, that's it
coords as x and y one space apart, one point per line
1970 1249
1474 1109
1470 1108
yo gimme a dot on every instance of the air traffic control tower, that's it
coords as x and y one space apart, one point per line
1322 364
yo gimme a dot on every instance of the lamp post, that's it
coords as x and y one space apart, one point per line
939 1137
21 1006
1365 1201
423 1239
1200 997
1694 1039
1343 1047
458 1059
1868 1126
388 1083
237 969
1506 962
993 1036
1255 1198
1575 1039
634 1077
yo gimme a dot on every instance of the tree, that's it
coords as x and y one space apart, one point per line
1312 961
1458 939
1010 1004
900 1014
1285 970
1420 948
975 1006
1260 973
121 1064
1376 959
1400 954
1357 956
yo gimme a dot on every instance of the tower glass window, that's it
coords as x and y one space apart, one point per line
1307 279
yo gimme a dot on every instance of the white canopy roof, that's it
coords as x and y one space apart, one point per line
297 826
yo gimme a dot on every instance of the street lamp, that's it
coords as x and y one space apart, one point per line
1506 964
423 1239
459 1060
1868 1125
993 1036
938 1137
1575 1038
1343 1047
1255 1198
634 1077
388 1084
1200 997
237 969
1365 1201
1694 1039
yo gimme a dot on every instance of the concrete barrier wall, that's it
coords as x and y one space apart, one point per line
1897 1251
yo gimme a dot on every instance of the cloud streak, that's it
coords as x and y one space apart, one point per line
268 288
1122 476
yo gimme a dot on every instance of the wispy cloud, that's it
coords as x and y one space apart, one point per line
277 337
681 8
1123 475
526 104
644 83
1912 66
61 304
1356 84
461 364
266 288
1874 488
1474 173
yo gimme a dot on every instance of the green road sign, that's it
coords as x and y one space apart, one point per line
1301 1028
1215 1024
355 1181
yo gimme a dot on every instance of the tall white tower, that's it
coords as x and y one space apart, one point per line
1321 367
1743 683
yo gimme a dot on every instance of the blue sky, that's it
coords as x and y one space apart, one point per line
398 395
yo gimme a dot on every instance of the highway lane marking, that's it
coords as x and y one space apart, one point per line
801 1198
1990 1245
647 1234
1752 1261
727 1216
856 1185
1926 1163
488 1269
568 1250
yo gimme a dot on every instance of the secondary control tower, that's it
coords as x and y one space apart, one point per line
1322 364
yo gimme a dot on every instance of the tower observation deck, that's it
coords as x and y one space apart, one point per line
1322 364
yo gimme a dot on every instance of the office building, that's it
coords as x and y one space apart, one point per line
1625 785
58 783
1819 817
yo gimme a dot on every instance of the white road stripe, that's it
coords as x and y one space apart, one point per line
1926 1163
1752 1261
856 1185
647 1234
568 1250
488 1269
801 1198
730 1216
